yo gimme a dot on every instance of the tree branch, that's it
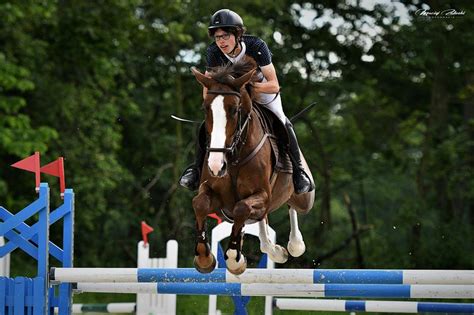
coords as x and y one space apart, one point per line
343 245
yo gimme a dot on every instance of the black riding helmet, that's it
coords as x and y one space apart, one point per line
225 18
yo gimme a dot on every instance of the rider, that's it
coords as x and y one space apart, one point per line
230 45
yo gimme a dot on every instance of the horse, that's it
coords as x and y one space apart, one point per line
237 182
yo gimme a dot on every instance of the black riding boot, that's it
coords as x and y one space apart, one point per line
301 181
192 174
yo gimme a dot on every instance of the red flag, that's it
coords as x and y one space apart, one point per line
56 168
31 164
215 216
146 229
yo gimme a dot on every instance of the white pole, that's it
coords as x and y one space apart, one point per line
4 262
372 306
257 275
290 290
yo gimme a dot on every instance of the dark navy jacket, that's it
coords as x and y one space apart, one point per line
255 48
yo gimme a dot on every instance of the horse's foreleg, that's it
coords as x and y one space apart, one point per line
275 252
256 205
296 245
204 260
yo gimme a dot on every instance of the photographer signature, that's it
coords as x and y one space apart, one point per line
440 14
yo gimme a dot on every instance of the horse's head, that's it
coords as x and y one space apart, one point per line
227 107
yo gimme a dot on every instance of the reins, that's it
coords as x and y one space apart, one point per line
237 137
238 131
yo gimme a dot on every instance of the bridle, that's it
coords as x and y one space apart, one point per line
237 136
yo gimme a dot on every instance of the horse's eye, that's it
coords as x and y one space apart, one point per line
233 111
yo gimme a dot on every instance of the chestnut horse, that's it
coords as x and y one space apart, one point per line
236 181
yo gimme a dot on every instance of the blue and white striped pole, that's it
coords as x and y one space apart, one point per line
116 308
372 306
288 290
300 276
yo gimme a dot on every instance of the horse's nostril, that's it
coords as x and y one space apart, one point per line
223 170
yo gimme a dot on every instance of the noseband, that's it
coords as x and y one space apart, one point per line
237 136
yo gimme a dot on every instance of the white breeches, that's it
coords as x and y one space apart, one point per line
275 106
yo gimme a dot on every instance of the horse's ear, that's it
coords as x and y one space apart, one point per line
205 81
241 81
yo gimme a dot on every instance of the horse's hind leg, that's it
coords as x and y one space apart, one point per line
204 260
275 252
296 246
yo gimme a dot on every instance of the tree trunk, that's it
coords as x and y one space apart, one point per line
325 182
468 119
355 230
431 176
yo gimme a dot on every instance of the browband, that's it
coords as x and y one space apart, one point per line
224 92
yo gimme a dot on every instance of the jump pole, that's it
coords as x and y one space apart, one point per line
372 306
120 308
288 290
300 276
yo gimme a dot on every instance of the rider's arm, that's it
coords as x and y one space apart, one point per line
272 85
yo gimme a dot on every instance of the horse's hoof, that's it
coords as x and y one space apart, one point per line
296 248
208 267
240 269
235 267
281 255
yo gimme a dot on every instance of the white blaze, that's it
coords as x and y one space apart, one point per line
216 159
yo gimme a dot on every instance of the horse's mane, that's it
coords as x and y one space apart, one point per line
226 74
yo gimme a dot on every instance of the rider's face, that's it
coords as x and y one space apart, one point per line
224 40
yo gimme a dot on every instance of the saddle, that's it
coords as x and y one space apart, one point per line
278 137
